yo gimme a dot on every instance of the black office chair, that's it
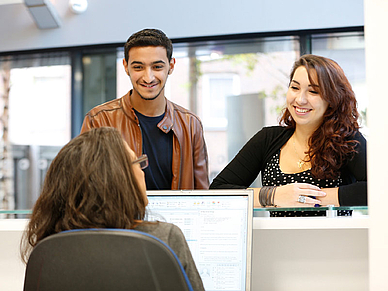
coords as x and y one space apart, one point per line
104 259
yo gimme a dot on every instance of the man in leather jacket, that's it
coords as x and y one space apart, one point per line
170 135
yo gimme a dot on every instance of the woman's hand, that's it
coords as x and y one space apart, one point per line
298 195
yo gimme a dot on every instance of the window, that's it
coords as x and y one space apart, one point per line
215 89
39 105
348 50
36 118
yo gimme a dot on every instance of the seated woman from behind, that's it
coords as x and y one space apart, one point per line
317 155
96 181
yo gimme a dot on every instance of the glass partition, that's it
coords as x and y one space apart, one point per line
235 86
328 211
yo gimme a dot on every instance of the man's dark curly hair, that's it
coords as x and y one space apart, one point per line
332 144
148 37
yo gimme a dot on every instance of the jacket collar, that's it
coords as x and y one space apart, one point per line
166 124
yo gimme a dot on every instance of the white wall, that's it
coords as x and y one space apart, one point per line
376 44
11 266
114 20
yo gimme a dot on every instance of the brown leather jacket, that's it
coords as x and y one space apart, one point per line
189 160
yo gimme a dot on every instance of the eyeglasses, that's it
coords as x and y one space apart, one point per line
142 161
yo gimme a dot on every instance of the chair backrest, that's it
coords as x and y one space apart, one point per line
104 259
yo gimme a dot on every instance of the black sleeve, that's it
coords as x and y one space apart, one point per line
355 193
245 166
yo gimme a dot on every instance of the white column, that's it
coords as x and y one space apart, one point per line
376 47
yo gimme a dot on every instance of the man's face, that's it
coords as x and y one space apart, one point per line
148 68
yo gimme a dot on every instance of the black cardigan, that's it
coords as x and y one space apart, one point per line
256 153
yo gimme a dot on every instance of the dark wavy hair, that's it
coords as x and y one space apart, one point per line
89 184
332 144
148 37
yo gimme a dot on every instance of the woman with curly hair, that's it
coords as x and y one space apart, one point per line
317 155
96 181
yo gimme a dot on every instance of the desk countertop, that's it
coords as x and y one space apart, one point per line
356 222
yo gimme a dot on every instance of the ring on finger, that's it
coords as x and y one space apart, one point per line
302 199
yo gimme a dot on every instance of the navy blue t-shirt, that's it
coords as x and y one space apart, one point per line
157 145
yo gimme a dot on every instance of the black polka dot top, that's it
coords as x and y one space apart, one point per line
273 176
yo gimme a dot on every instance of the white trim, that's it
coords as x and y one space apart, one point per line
361 222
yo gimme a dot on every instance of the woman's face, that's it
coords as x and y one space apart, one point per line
304 101
138 172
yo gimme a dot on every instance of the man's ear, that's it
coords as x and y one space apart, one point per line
172 65
125 64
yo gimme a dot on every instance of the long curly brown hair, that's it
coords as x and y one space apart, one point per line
89 184
332 144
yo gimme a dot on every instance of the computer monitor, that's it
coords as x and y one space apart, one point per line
217 225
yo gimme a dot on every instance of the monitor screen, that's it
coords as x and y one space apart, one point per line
217 225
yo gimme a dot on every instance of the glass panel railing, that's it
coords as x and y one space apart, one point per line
15 211
15 214
328 211
312 208
359 210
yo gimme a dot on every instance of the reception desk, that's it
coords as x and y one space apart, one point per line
11 266
301 253
311 253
